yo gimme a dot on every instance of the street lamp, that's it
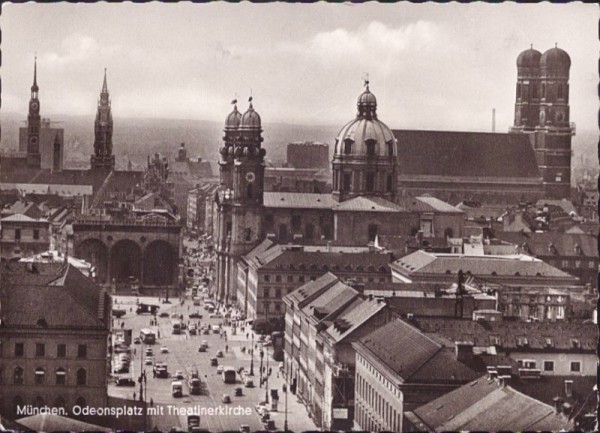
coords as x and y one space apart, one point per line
285 423
252 356
262 354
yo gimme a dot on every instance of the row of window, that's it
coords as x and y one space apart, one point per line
561 90
388 414
369 185
574 367
60 376
371 147
18 233
40 350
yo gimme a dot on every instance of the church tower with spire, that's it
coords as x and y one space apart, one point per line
34 124
240 196
103 157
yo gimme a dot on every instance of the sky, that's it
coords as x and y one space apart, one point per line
431 66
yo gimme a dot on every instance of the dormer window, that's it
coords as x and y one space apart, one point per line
348 146
370 148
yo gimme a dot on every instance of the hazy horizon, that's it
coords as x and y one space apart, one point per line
431 66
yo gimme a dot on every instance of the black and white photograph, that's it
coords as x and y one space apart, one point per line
288 217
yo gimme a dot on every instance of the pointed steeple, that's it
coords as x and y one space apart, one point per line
34 88
104 85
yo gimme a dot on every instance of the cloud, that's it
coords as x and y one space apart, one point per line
77 48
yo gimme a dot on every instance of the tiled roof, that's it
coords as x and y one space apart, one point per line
49 422
368 204
331 300
298 200
407 352
465 154
311 288
51 295
22 218
564 204
574 336
539 244
421 262
357 313
484 405
16 170
335 262
439 205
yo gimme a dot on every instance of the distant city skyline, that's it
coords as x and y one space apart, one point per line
431 66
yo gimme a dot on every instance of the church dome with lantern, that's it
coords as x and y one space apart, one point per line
251 118
365 152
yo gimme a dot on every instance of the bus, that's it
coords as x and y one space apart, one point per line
229 375
176 326
148 336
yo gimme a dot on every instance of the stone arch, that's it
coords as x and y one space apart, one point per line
95 252
125 260
160 261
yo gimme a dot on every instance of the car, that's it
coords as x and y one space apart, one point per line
195 315
178 374
124 381
137 340
226 398
148 361
202 349
164 349
219 354
163 314
237 392
249 383
220 369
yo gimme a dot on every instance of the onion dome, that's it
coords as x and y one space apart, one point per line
555 58
366 135
251 119
234 119
529 58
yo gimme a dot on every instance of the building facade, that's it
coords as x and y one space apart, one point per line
22 236
53 339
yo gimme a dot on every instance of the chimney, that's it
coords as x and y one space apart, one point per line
504 380
493 120
557 404
568 388
463 351
492 373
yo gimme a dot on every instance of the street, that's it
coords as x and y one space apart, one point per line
167 412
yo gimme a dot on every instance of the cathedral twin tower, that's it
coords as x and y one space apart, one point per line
542 110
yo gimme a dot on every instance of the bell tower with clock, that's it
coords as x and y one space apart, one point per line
34 124
240 197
